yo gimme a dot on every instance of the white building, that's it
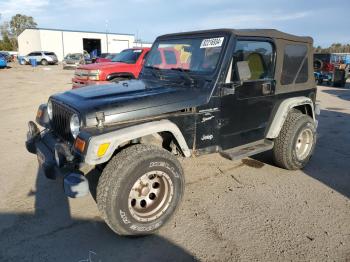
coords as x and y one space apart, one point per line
63 42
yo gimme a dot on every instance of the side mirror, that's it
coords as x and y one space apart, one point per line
243 70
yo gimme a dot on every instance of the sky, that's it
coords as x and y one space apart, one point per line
326 21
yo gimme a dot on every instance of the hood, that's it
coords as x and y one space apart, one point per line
103 65
132 99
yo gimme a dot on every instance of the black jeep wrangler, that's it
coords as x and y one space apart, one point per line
236 92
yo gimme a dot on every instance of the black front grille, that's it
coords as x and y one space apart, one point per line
60 121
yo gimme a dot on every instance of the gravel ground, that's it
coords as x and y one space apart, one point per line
232 211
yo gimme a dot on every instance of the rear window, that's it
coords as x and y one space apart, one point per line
295 65
49 53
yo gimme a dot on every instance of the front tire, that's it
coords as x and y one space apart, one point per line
140 189
44 62
295 144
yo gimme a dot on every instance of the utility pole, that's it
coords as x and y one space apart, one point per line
107 33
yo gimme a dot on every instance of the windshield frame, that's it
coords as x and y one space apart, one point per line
193 35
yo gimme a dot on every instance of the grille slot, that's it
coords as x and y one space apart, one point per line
60 121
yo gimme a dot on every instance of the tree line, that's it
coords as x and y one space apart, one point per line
10 30
334 48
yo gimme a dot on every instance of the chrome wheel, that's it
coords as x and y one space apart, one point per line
150 196
304 144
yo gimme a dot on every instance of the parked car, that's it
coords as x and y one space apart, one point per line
3 61
72 61
42 57
239 93
106 58
125 65
7 55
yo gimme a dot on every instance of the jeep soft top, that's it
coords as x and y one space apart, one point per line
236 92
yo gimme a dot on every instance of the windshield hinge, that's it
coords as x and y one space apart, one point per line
100 116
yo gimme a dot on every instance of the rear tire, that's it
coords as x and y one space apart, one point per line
140 189
296 141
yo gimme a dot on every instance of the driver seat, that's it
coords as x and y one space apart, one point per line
256 65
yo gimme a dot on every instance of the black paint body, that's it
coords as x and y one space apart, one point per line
209 118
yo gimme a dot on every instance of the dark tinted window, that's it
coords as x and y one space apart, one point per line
49 53
295 65
128 56
259 56
170 57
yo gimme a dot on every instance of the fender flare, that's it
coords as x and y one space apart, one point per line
120 74
118 137
282 113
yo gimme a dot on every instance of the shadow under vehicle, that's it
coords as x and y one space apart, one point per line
236 92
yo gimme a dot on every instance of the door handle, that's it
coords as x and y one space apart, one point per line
266 88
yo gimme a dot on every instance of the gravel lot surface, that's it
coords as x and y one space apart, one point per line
232 211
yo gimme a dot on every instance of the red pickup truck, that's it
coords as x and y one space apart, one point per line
126 65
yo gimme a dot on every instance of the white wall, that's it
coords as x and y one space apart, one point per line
64 42
141 44
28 41
51 41
117 43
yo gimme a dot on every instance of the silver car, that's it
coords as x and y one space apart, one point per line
42 57
71 61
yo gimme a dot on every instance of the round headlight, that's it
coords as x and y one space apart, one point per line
74 125
49 109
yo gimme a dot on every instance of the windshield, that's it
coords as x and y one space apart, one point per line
198 54
128 56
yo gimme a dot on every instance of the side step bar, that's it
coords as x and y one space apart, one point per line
247 150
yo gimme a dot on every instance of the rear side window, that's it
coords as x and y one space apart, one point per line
295 65
49 53
170 57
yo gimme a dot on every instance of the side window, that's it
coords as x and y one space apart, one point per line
170 57
295 64
258 55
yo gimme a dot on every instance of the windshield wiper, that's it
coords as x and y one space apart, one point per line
185 73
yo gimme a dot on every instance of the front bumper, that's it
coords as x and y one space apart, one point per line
45 145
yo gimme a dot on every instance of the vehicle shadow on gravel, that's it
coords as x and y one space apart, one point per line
342 93
51 234
330 163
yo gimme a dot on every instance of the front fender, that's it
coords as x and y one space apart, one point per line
118 137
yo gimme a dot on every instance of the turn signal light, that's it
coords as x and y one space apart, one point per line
102 149
79 144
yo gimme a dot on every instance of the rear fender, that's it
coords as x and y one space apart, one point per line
283 111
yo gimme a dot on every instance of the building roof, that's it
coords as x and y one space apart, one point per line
77 31
273 33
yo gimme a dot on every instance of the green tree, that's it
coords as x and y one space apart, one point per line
20 22
6 42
